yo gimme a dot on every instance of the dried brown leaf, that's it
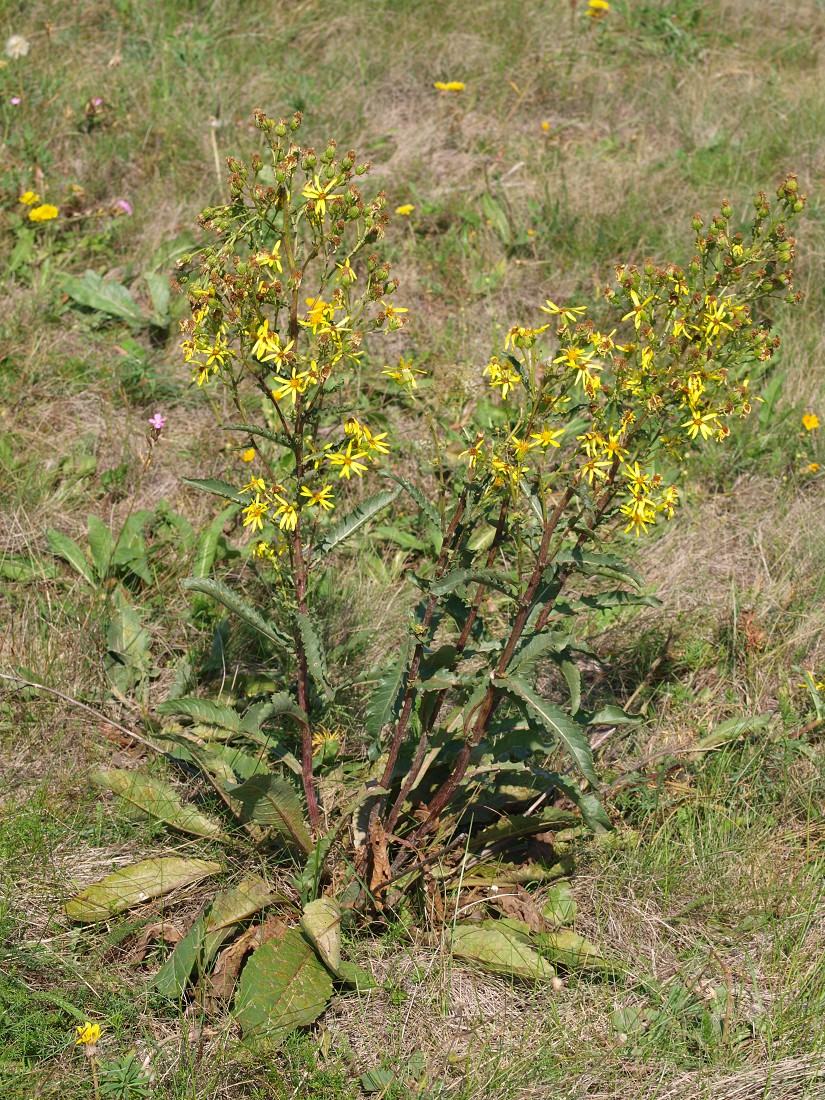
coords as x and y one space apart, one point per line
518 904
230 960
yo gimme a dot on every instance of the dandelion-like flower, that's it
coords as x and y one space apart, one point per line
449 86
44 213
17 46
29 198
87 1037
405 209
810 421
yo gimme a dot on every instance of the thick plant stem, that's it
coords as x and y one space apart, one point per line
492 696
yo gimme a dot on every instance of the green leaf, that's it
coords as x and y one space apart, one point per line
572 952
158 800
281 438
560 907
501 951
605 601
491 578
517 826
105 296
734 728
158 287
609 715
537 645
283 986
151 878
283 703
233 602
587 803
202 710
314 653
339 532
17 567
555 721
321 922
593 564
208 542
128 639
377 1080
415 493
67 549
101 545
351 974
269 800
384 704
570 671
216 487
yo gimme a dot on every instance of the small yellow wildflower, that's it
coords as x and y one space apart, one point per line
374 442
347 274
87 1034
44 213
567 314
546 126
639 481
700 423
641 512
405 209
595 468
290 387
255 512
547 437
810 421
254 485
523 337
318 193
348 462
30 198
248 455
271 259
636 314
502 374
597 8
449 86
813 467
391 312
475 452
319 313
321 498
405 374
288 513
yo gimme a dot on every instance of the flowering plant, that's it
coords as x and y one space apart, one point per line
590 425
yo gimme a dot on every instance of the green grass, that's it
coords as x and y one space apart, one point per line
715 883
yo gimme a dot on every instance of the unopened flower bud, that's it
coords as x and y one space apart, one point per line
257 163
348 160
361 169
649 268
280 129
295 121
309 161
328 154
697 222
798 206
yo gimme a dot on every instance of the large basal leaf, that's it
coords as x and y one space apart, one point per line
573 952
217 487
207 935
233 602
128 639
202 710
67 549
104 295
271 801
321 922
517 826
158 800
555 721
339 532
314 653
587 803
101 545
208 543
158 287
501 951
283 986
151 878
384 703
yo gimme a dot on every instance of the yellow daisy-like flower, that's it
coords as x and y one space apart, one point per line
567 314
87 1034
449 86
810 421
597 8
44 213
255 512
29 198
291 387
374 442
503 375
288 513
254 485
318 193
704 424
547 437
319 313
271 259
636 314
248 455
405 209
405 374
641 512
321 498
348 462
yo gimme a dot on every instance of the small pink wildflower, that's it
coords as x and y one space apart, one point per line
97 101
15 100
123 205
157 422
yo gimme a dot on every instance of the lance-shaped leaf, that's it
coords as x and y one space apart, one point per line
104 295
555 721
271 801
283 986
415 493
202 710
233 602
67 549
385 701
492 578
217 488
101 545
500 950
208 542
151 878
158 800
339 532
597 564
321 922
586 802
573 952
314 653
209 932
517 826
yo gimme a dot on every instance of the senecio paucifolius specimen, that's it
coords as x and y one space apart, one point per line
591 426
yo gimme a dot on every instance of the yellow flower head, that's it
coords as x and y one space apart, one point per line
248 455
597 8
348 462
405 374
255 512
321 498
405 209
30 198
449 86
810 421
288 513
318 193
44 213
87 1034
